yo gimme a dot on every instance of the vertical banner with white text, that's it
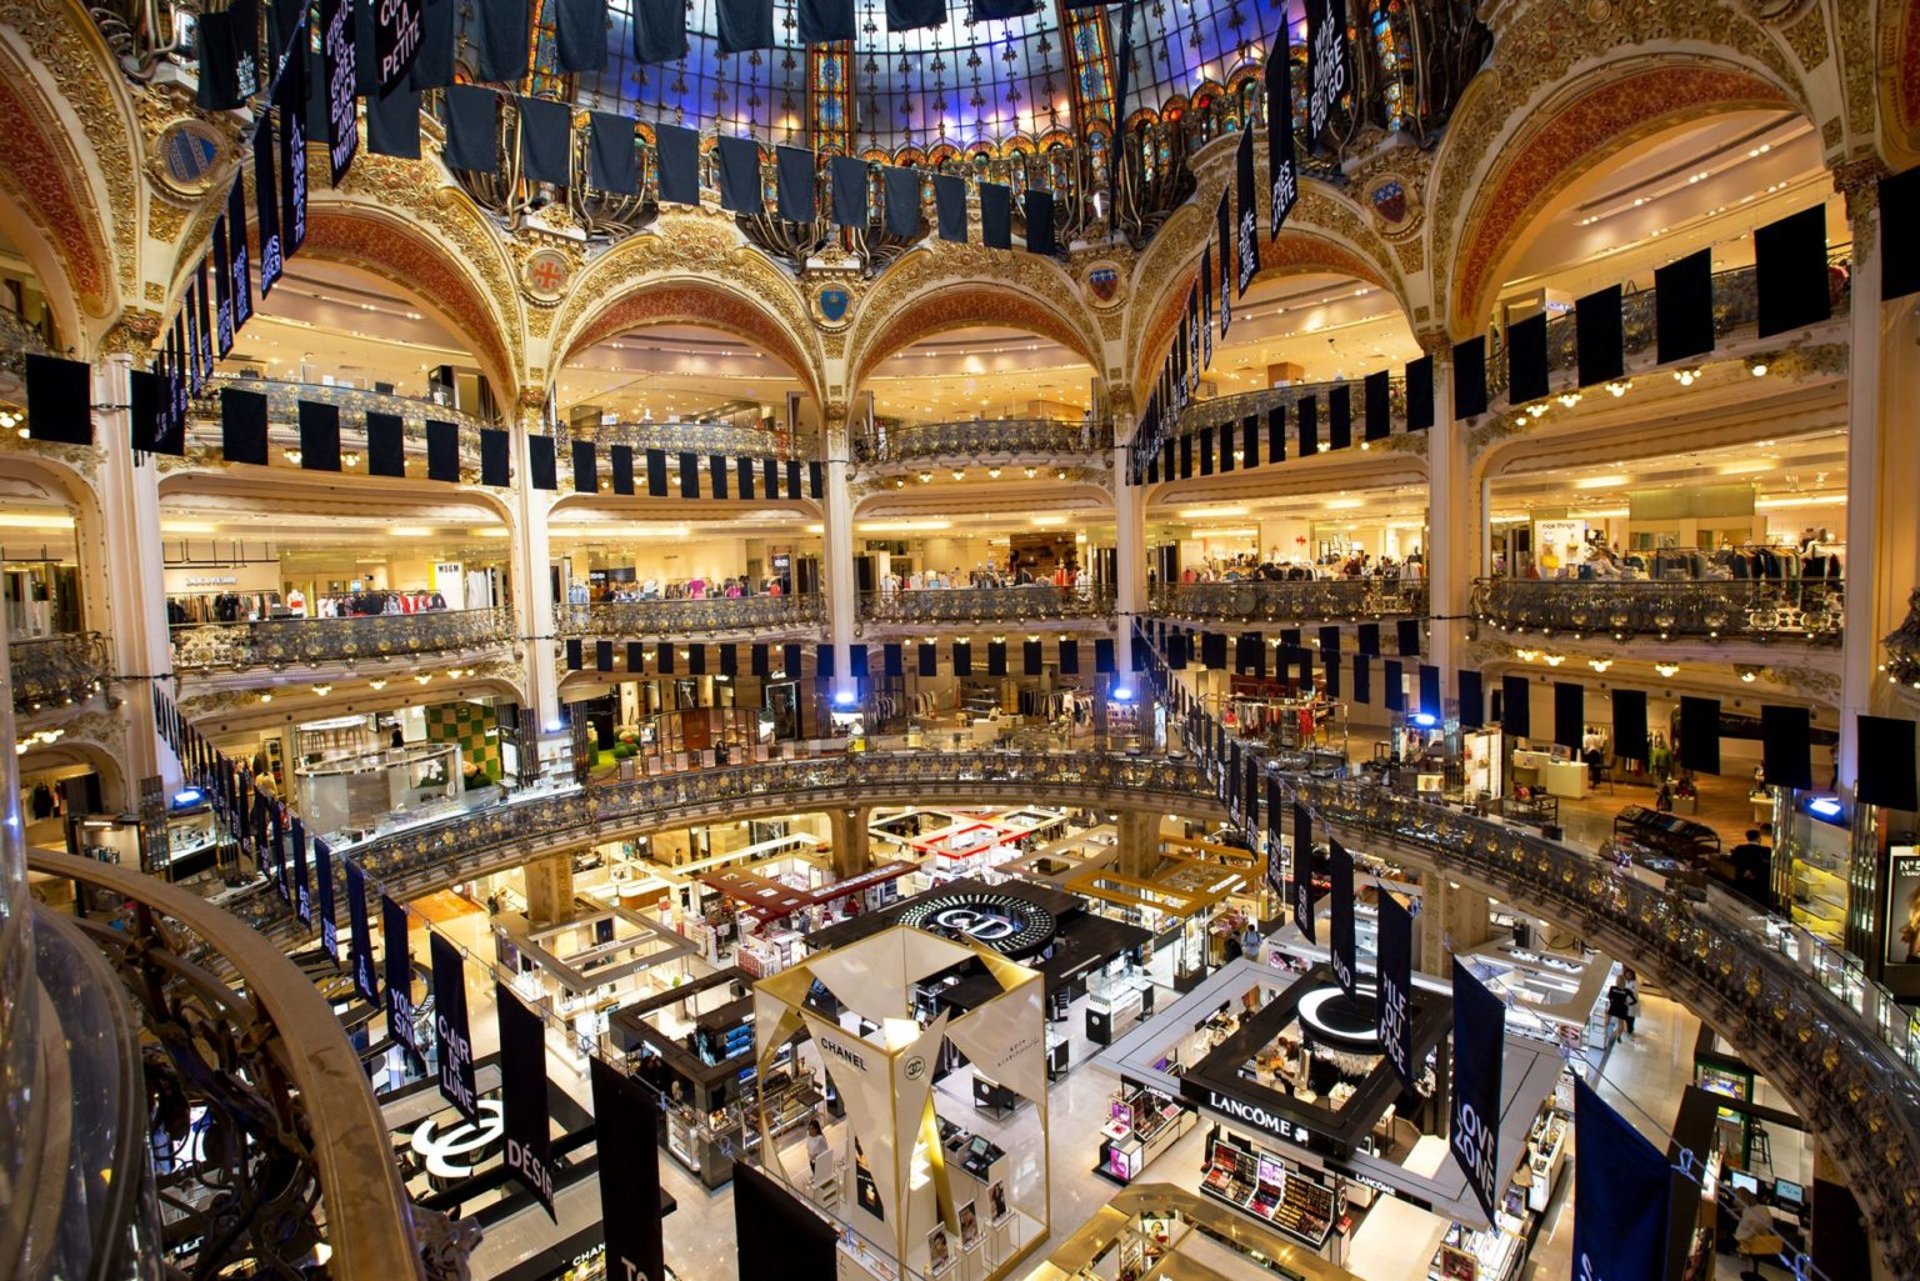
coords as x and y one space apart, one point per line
1626 1189
1396 985
1341 940
399 964
323 876
625 1120
523 1096
450 1027
1479 1056
360 946
1303 870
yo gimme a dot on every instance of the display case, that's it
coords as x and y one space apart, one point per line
1141 1124
192 846
1115 1003
1264 1185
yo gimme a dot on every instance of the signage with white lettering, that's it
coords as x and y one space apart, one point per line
450 1026
1396 985
323 873
399 959
1282 167
629 1176
1479 1053
360 946
1344 948
1326 62
1247 195
523 1092
396 38
1008 924
338 52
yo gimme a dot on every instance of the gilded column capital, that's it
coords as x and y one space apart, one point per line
1434 340
133 334
1859 182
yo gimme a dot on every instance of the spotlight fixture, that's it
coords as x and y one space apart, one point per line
377 683
1060 474
1668 670
349 460
322 690
1757 367
926 478
959 473
1524 655
1619 387
1568 399
266 696
1687 375
899 482
1032 472
1748 676
1599 664
1538 409
423 678
1554 660
993 473
293 456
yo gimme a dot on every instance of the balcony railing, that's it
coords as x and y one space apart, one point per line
1329 599
1840 1046
885 441
508 834
290 642
1234 409
1039 602
695 438
55 671
1809 609
296 1154
355 403
718 616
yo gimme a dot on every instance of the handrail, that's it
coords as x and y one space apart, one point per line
285 394
277 1039
1036 602
691 437
1330 599
1235 408
679 619
285 642
1767 608
508 834
886 441
50 671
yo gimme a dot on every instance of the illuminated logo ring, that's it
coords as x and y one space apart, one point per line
1009 925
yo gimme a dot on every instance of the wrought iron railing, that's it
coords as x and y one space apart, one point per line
295 1153
980 439
1755 608
289 642
1736 313
694 438
1836 1043
354 403
1234 410
1290 602
18 339
508 834
56 671
715 616
1038 602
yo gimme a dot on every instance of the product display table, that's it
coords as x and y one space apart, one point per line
1567 778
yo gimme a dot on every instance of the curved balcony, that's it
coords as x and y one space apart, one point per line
1306 601
296 1152
964 606
355 403
1836 1044
56 671
978 439
1235 408
1796 609
311 642
506 835
734 439
678 619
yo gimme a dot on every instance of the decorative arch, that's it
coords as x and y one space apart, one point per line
49 207
1586 124
1546 57
1899 87
445 275
933 289
691 267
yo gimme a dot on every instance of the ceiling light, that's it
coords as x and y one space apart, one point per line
1618 387
1049 520
1554 660
1687 375
904 526
410 531
293 456
1600 482
1758 368
349 460
1668 670
266 696
993 473
1568 399
1748 676
1599 664
926 478
1524 655
1538 409
1207 513
959 473
377 683
1032 472
1060 474
1344 504
322 690
423 678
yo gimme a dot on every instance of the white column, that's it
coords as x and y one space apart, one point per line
136 597
1865 567
842 587
1130 555
533 610
1452 540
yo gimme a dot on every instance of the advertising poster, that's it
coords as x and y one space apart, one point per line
1559 547
1903 906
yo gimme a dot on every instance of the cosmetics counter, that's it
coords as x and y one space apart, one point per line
1142 1123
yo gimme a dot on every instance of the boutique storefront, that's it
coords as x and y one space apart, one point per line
1307 1128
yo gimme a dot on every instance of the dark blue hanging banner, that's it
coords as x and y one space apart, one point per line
1282 168
450 1027
396 38
1626 1190
1396 985
1479 1054
302 894
1246 194
523 1095
1303 870
360 947
339 58
399 966
323 873
629 1174
1346 961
